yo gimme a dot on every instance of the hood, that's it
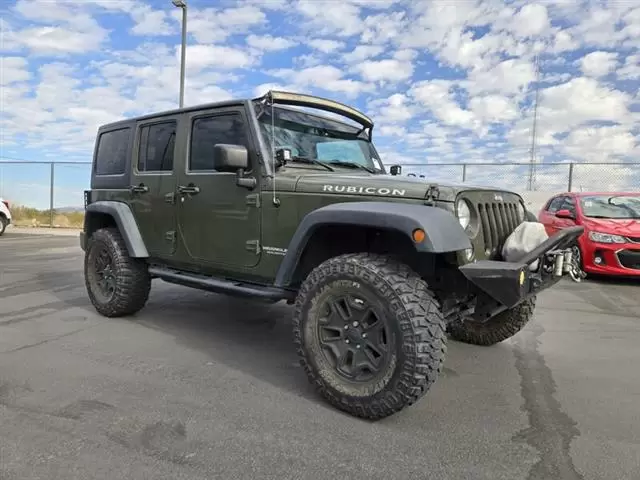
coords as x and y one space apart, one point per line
379 186
627 227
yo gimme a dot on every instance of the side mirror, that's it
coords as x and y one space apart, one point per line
565 214
230 157
395 169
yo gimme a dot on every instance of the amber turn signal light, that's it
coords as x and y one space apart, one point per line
418 235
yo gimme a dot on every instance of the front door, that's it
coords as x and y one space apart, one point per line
153 185
219 221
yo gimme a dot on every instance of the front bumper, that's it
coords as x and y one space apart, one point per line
620 259
507 284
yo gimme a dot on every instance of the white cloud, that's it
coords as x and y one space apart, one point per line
598 64
211 25
13 70
269 43
326 45
389 69
531 20
325 77
631 68
199 57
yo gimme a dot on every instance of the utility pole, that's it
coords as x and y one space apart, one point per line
182 4
532 164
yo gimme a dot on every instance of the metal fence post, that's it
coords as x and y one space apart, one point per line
53 167
570 175
464 172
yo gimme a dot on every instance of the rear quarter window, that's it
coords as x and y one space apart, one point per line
111 154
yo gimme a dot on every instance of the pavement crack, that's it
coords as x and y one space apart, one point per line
47 340
550 430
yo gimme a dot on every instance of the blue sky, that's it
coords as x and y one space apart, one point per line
445 81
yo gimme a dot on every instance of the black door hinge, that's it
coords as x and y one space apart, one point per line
170 236
254 199
253 246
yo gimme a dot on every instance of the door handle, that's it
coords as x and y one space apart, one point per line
190 189
142 188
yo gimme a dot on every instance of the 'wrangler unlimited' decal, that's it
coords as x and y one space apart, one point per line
363 190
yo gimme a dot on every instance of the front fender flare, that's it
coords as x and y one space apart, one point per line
126 223
443 230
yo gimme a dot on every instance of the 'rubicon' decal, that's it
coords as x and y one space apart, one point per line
363 190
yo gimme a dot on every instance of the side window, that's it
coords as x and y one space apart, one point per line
111 157
569 204
206 132
157 142
554 205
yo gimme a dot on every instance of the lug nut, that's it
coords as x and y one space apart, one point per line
346 327
355 324
357 346
347 341
364 335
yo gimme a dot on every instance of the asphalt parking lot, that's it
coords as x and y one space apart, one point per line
200 386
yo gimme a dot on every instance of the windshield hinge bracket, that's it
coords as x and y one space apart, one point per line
433 193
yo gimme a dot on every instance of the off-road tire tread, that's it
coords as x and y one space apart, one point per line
133 282
421 323
501 327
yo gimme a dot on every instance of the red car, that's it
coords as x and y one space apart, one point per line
610 244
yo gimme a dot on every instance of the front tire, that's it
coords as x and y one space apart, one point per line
3 224
369 333
117 284
495 330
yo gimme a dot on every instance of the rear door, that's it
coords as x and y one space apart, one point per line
154 183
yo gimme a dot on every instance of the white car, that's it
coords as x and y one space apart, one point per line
5 215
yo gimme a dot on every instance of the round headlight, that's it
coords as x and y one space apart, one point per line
463 212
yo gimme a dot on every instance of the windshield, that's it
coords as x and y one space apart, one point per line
611 206
317 138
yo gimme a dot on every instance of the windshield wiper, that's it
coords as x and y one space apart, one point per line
313 161
352 164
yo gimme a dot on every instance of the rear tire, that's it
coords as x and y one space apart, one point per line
3 224
499 328
117 284
377 316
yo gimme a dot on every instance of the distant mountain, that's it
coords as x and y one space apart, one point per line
69 209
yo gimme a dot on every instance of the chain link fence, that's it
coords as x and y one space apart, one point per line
51 193
521 177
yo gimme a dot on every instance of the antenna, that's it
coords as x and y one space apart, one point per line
532 164
276 201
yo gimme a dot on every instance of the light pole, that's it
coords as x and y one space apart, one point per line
182 4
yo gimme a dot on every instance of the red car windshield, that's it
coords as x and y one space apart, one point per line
611 206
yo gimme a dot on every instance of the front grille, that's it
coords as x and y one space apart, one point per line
497 220
629 259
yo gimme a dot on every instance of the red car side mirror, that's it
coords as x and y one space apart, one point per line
565 214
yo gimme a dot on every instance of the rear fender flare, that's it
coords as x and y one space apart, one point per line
125 221
443 230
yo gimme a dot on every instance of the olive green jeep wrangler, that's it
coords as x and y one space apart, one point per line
263 199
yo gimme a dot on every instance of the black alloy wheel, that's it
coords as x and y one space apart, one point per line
354 336
101 272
